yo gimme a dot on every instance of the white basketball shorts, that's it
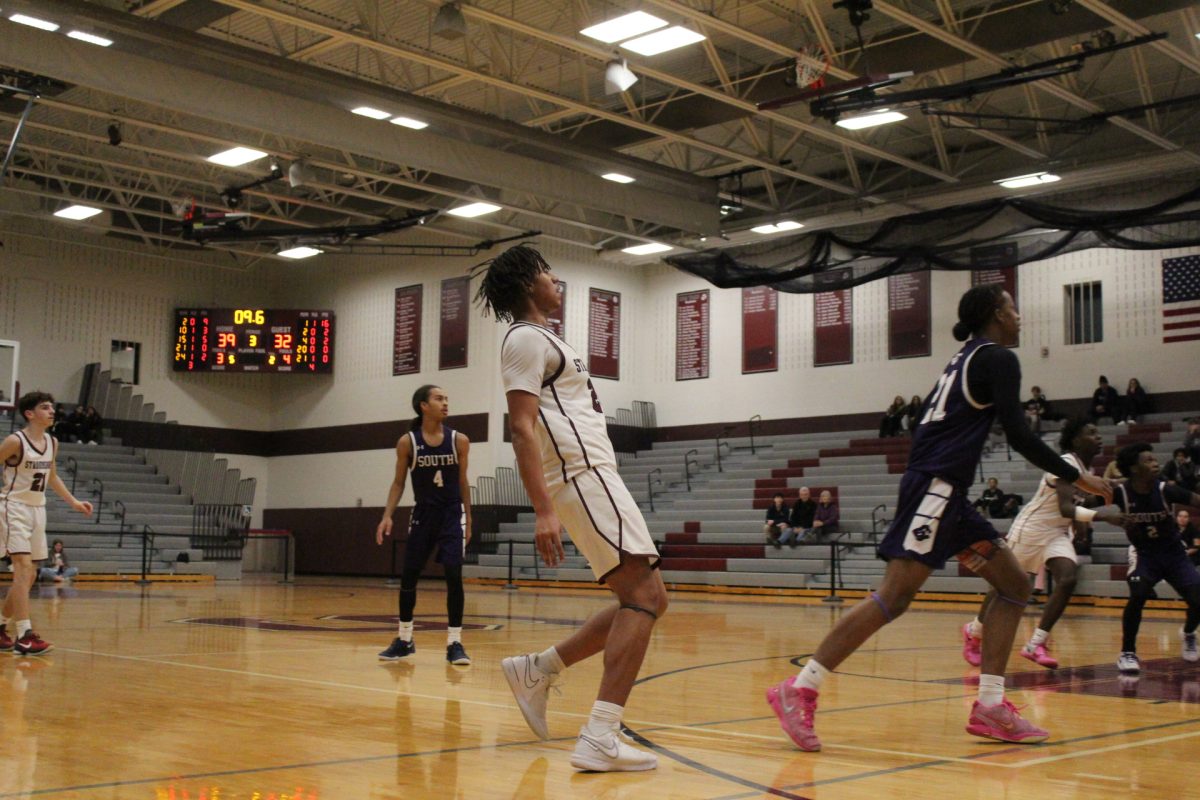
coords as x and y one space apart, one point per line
603 520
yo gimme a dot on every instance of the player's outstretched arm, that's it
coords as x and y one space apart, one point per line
403 456
522 419
463 445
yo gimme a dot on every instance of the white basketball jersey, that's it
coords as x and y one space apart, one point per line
1041 519
571 425
26 476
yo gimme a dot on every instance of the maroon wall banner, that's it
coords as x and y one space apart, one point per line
406 340
833 324
908 315
760 329
555 320
456 317
691 335
996 263
604 334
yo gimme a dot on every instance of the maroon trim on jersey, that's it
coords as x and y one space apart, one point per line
615 545
554 442
49 440
15 466
586 461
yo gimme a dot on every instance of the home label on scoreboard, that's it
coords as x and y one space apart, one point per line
253 340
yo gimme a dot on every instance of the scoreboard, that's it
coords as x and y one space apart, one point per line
253 340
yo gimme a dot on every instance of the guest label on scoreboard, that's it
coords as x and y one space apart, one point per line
253 340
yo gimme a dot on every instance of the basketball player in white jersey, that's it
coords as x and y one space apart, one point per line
28 458
568 467
1042 536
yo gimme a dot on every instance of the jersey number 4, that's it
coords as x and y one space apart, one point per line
39 482
437 479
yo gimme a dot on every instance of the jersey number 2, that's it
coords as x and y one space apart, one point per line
39 482
437 479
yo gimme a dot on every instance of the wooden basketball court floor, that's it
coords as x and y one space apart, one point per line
260 690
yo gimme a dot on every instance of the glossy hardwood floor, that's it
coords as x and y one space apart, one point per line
257 690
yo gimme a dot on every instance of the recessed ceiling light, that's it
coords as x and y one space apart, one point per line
300 252
473 210
623 27
77 212
409 122
778 227
34 22
1033 179
90 38
882 117
647 249
373 113
236 156
616 177
661 41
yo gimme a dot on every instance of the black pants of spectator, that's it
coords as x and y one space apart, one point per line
890 425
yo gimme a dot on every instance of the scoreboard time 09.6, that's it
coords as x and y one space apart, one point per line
253 340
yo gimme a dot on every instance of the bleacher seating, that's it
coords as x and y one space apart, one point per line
712 533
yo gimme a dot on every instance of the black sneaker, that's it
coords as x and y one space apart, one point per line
456 655
397 650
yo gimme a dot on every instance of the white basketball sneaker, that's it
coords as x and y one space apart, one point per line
1128 663
531 687
609 753
1190 651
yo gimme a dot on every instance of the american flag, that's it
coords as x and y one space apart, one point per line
1181 299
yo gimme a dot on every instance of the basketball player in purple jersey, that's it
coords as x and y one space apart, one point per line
935 522
569 469
1159 553
441 517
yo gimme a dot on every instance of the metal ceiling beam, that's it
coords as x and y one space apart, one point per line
1131 26
726 97
1049 86
187 74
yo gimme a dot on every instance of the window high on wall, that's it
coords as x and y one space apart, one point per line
1083 311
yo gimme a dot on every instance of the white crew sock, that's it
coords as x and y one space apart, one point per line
811 677
991 690
1039 637
550 662
605 718
406 629
23 627
975 628
453 635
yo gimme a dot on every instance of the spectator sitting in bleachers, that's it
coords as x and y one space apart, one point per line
825 519
991 496
89 430
1181 470
777 520
1191 440
62 429
1105 403
801 520
56 568
1189 533
893 418
1135 404
912 414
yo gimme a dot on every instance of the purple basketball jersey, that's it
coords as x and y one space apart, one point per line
950 435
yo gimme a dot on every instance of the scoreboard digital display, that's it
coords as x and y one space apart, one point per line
253 340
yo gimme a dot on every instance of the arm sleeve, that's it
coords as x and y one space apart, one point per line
524 360
995 376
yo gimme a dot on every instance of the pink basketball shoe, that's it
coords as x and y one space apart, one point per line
1003 723
795 709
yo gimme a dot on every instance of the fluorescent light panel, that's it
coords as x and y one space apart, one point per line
90 38
778 227
77 212
647 249
236 156
623 27
473 210
870 120
373 113
661 41
300 252
34 22
409 122
1033 179
616 177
